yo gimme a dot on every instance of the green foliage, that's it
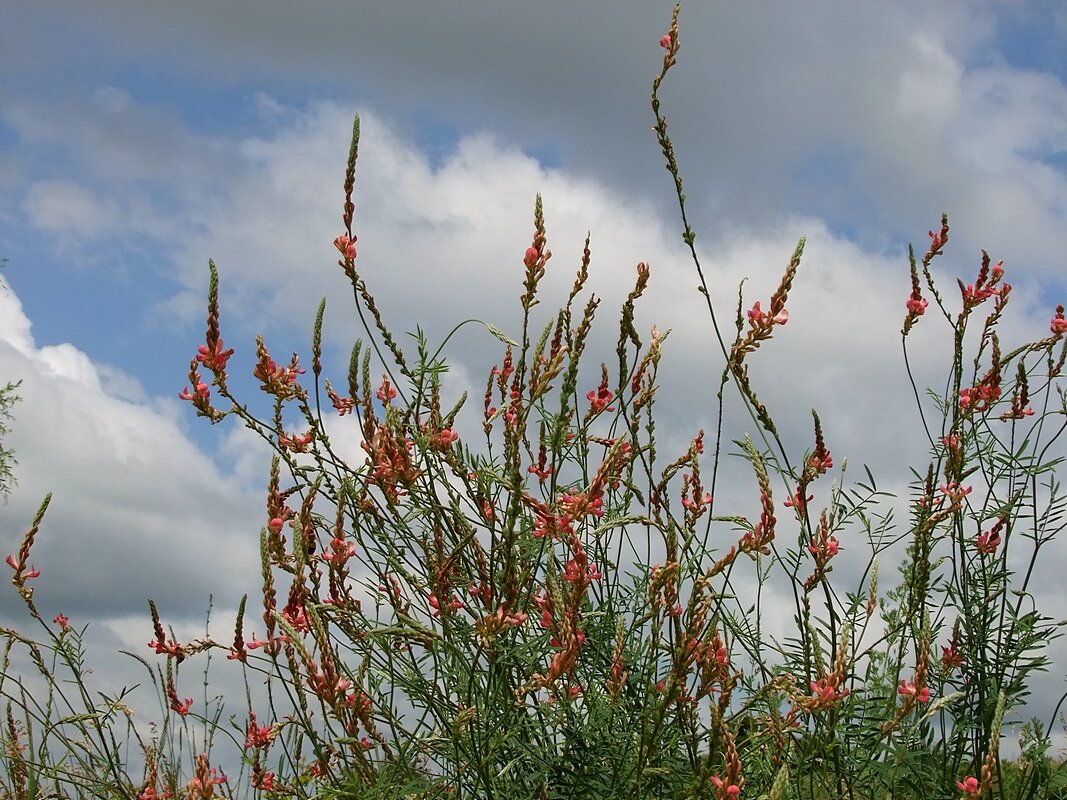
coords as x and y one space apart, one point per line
8 398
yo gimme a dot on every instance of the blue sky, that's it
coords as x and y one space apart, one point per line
138 140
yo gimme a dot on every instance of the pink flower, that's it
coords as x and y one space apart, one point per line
297 443
988 542
759 318
202 391
830 548
386 391
542 474
1058 326
724 789
980 397
599 399
170 648
340 552
954 491
936 241
909 689
974 296
917 305
798 501
446 437
273 646
665 41
951 657
62 622
823 464
346 246
435 604
971 785
697 504
825 692
266 782
258 736
18 566
531 256
215 360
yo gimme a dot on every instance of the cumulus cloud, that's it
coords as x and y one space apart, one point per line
440 243
137 509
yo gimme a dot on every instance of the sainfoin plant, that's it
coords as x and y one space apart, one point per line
545 604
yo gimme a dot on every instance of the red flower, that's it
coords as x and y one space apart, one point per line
258 736
951 657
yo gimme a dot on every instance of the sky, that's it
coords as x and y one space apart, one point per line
139 140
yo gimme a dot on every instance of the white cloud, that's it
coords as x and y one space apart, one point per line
137 508
929 86
441 244
65 206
